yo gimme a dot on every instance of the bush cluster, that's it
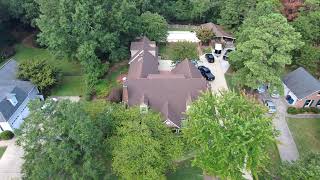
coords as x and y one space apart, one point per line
293 110
6 135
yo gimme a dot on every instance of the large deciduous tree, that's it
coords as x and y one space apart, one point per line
88 30
233 12
205 35
154 26
264 46
144 147
229 133
62 141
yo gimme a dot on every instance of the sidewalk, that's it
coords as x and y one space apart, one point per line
304 116
11 161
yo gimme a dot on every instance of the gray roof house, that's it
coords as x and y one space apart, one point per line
169 92
14 97
301 88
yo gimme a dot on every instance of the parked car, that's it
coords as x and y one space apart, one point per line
210 57
275 94
206 73
226 56
271 106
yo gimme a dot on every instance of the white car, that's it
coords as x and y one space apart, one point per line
271 106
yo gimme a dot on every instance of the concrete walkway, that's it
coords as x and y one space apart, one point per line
287 147
304 116
11 161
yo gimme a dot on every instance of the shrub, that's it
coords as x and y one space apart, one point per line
6 135
7 52
293 110
40 73
205 35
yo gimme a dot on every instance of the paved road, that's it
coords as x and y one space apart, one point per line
219 84
11 161
287 147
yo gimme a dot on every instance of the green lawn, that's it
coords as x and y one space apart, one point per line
186 172
72 83
178 51
230 83
2 150
306 134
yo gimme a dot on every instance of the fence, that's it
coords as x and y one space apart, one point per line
179 27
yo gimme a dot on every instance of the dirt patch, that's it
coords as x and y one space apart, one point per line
29 41
116 66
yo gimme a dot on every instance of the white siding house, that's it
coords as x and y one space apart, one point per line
14 97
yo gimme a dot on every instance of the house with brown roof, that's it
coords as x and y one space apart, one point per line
167 92
218 32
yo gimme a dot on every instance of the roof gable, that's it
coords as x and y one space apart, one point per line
188 69
6 108
301 83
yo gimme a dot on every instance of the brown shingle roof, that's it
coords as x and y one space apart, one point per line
173 91
188 69
168 93
217 30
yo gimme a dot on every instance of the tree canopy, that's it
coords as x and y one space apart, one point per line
144 146
61 141
229 134
154 26
307 167
264 46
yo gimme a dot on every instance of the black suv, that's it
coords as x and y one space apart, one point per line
210 57
206 73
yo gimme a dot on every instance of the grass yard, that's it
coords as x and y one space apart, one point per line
185 171
178 51
72 83
306 134
2 150
230 83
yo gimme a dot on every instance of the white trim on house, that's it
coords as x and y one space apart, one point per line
287 91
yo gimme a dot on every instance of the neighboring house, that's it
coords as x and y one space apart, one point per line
219 33
291 8
14 97
168 92
302 89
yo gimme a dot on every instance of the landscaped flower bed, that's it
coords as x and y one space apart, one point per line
293 110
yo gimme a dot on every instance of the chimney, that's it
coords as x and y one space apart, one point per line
125 96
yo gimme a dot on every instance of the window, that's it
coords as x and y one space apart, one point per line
1 128
318 104
307 103
319 93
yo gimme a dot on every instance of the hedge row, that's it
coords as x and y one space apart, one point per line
293 110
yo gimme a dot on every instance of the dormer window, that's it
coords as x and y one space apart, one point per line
12 99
